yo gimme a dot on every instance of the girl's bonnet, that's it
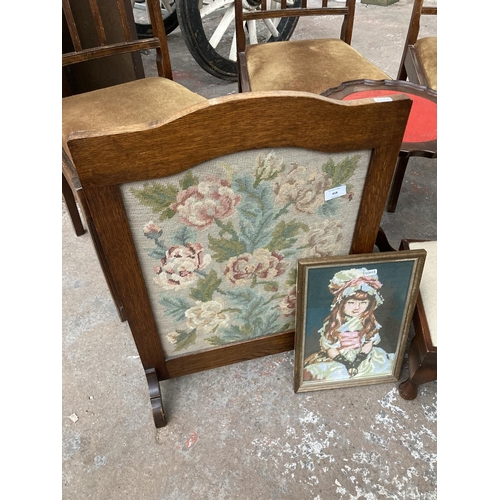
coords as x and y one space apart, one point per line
347 283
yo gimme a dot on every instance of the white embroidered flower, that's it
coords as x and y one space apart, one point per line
206 316
302 186
323 239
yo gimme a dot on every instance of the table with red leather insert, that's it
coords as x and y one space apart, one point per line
420 138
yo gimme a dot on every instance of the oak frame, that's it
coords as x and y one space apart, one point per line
106 159
330 265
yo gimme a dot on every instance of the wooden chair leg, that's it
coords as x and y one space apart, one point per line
69 199
382 242
397 182
422 370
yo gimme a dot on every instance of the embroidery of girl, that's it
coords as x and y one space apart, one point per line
350 332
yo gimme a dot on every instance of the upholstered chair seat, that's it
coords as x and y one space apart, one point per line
147 100
295 65
428 285
426 51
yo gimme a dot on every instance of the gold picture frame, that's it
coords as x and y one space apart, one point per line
339 340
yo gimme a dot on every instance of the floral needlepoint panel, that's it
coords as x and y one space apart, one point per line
219 243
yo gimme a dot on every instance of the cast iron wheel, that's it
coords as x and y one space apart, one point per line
208 30
141 18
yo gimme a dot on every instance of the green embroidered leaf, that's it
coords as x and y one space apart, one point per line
271 286
216 340
292 277
184 235
284 235
206 287
156 253
188 180
158 197
242 296
265 325
175 306
340 173
257 314
268 168
256 213
185 339
329 209
222 249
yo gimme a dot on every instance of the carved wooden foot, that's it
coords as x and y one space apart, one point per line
155 397
408 390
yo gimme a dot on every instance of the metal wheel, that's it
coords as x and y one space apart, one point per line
209 32
142 22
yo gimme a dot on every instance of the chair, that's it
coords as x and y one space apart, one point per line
202 237
93 38
423 347
311 65
143 100
419 60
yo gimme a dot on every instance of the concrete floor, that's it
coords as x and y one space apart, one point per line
240 432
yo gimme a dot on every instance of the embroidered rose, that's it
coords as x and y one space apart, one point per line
178 267
152 230
262 264
206 316
200 205
289 303
302 186
323 239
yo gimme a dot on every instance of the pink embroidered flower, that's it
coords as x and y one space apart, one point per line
200 205
262 264
302 186
152 230
288 305
178 267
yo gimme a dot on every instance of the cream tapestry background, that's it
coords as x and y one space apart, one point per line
218 244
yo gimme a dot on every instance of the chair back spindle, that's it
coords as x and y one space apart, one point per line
129 42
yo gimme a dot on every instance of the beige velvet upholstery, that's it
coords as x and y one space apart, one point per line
140 101
426 51
428 285
307 65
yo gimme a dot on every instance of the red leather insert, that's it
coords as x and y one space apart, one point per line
422 122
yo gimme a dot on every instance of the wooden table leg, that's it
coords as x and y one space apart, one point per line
397 182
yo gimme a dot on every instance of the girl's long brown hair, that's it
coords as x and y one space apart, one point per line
337 317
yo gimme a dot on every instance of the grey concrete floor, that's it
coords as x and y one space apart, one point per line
240 432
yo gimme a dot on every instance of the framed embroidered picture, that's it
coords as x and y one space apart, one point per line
353 317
